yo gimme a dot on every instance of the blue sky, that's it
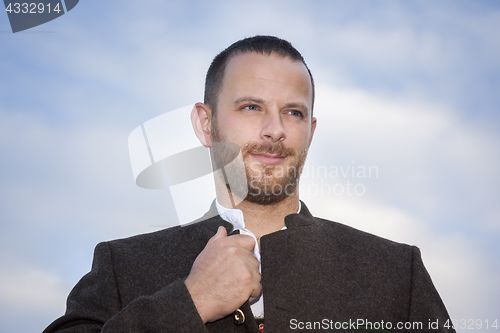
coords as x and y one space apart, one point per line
408 87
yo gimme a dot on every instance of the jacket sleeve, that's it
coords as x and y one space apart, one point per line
426 306
94 305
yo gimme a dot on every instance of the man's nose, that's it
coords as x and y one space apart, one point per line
272 128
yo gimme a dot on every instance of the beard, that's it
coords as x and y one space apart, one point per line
261 184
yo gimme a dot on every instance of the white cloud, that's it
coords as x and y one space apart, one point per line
417 147
73 177
31 289
27 291
438 179
390 49
460 271
422 150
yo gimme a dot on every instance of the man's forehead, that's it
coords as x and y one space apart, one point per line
250 65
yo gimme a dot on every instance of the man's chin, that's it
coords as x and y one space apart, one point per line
269 193
265 200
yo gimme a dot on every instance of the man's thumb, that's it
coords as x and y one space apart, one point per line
221 233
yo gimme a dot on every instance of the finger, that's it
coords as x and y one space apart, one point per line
221 233
255 285
255 276
251 263
255 292
245 241
255 263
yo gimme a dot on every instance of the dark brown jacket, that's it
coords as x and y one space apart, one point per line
316 272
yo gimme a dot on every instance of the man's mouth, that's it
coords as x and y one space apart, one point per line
265 158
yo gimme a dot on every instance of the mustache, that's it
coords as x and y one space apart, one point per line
268 148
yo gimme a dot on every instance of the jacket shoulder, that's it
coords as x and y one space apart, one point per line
334 238
176 237
348 233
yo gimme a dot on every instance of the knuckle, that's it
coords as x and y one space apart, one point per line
246 277
231 251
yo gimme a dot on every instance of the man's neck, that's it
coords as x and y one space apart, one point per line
265 219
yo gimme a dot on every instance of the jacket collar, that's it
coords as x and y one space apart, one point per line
212 220
303 218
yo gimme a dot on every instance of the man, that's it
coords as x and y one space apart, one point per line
280 269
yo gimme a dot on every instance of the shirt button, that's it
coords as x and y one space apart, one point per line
239 317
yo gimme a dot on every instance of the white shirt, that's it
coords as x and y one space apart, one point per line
235 217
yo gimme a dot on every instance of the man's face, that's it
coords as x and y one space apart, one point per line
264 107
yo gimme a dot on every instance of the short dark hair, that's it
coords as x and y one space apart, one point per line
259 44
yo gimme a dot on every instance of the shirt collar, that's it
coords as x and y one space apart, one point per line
231 215
235 216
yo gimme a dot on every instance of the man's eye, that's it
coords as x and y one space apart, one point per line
251 107
295 113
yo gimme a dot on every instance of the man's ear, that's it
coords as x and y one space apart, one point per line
201 117
313 128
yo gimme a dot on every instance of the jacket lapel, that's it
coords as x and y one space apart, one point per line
280 274
284 255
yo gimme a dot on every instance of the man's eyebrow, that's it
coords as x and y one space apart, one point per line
298 106
249 99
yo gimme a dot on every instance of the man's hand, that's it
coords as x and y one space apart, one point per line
224 275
